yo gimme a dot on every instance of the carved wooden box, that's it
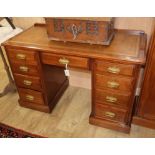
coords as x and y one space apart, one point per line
96 30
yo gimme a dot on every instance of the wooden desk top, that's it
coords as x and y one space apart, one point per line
127 46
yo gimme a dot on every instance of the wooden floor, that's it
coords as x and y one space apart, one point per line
69 118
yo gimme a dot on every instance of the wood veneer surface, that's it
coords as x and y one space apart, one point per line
123 47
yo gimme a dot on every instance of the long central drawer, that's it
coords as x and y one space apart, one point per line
61 60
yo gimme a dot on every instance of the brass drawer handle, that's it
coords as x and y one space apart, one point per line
114 70
27 82
112 84
111 99
110 114
63 61
23 68
21 56
30 97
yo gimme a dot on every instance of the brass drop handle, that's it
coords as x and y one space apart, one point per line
110 114
27 82
111 99
21 56
23 68
112 84
114 70
63 61
30 97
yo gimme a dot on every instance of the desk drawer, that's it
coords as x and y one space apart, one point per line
32 96
28 81
113 98
114 82
25 69
60 60
115 68
110 113
22 56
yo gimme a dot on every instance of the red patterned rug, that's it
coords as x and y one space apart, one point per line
11 132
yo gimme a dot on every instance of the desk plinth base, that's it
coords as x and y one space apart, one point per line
42 108
109 124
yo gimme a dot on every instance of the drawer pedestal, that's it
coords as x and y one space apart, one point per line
113 90
39 85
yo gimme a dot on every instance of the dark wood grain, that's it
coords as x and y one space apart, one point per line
54 78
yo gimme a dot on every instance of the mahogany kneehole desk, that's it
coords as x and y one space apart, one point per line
38 69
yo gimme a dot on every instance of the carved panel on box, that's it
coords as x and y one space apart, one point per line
58 25
92 27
